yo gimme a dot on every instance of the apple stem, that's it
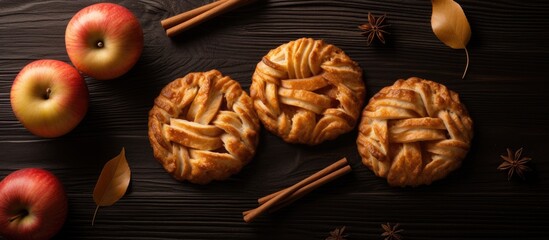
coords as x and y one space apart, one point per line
100 44
48 93
20 215
15 218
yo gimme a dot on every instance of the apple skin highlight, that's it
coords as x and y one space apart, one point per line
33 204
104 40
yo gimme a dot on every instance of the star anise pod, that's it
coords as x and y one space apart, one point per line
513 163
391 232
374 28
337 234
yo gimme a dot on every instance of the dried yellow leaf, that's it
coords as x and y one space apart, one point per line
112 183
450 25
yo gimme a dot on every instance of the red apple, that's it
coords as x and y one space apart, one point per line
49 97
104 40
33 204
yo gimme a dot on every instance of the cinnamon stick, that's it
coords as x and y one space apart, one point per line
204 14
342 162
288 195
179 18
310 187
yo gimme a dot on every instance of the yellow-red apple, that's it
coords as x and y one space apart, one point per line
49 97
33 204
104 40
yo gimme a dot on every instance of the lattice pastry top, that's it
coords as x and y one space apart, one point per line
414 132
202 127
307 91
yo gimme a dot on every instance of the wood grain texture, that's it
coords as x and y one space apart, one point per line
505 92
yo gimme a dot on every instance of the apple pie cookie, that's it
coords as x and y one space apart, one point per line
307 91
202 127
414 132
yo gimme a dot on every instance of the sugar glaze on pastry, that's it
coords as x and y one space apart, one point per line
202 127
307 91
414 132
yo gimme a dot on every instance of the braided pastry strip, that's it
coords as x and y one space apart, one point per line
414 132
202 127
307 91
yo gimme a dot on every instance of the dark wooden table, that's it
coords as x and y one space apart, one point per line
505 91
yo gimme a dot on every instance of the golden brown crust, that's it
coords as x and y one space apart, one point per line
202 127
307 91
414 132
